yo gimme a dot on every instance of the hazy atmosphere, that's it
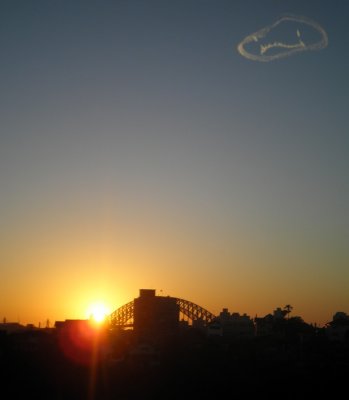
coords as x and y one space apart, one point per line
197 147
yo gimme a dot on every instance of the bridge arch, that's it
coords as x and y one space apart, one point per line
123 316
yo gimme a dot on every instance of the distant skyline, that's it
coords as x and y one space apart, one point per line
141 149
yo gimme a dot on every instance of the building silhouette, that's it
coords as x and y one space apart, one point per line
232 324
155 316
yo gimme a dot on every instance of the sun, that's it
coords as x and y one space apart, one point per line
98 312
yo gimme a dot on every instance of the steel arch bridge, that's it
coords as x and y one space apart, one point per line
123 316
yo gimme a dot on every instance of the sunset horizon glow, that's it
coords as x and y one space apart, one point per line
144 145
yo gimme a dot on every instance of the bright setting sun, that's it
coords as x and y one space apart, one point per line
98 312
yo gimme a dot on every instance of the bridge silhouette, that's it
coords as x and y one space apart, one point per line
124 315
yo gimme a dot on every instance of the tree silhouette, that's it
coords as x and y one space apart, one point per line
288 308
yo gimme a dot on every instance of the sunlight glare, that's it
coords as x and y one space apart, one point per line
98 312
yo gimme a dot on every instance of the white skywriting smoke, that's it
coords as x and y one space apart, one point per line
265 50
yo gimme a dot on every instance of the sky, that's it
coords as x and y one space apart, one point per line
196 147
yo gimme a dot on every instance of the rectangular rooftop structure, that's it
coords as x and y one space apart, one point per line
146 292
155 316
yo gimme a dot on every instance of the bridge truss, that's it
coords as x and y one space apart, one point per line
123 316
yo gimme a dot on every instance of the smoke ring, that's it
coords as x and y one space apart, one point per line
256 36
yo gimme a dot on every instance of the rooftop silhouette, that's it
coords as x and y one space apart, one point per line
162 346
